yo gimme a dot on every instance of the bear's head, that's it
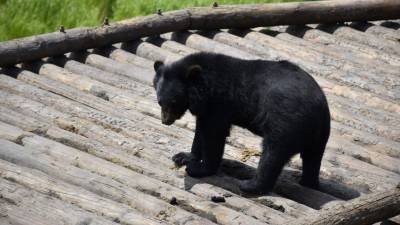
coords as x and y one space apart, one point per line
171 85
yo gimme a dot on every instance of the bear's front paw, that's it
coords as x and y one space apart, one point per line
198 169
182 158
252 186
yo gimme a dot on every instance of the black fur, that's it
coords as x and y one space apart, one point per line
275 100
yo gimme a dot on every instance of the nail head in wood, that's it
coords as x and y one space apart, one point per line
106 21
62 29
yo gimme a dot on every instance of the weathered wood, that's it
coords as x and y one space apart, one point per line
149 51
43 160
342 58
171 46
271 52
113 66
362 211
315 35
346 77
86 200
122 56
130 161
201 43
390 47
174 177
240 16
377 30
113 138
26 206
148 205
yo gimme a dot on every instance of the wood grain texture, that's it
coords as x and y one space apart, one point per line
240 16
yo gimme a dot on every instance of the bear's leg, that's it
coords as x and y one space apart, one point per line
182 158
311 167
271 163
212 132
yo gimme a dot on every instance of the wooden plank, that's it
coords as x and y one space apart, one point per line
26 206
240 16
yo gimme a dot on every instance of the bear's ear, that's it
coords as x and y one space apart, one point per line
157 65
193 71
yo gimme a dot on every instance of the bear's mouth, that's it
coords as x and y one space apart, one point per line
169 116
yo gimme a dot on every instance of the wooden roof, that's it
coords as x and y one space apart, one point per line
81 141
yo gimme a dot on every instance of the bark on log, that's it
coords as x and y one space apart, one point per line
240 16
362 211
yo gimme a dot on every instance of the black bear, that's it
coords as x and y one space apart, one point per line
275 100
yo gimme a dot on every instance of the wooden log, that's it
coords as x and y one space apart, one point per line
172 177
240 16
26 206
351 34
120 157
347 77
362 211
340 114
201 43
44 161
269 52
377 30
150 206
149 51
58 85
315 35
171 46
342 58
103 63
113 138
72 194
122 56
356 154
158 154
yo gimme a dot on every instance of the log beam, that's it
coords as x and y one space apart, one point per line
361 211
238 16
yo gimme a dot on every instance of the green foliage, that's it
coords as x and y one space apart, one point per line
19 18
